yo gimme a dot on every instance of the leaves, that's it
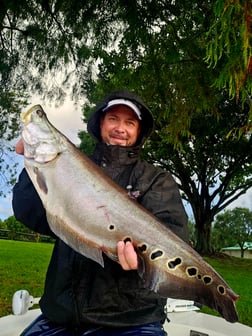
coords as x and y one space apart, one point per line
188 61
233 227
230 48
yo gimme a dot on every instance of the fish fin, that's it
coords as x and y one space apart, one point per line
91 253
151 276
112 256
76 242
141 267
40 180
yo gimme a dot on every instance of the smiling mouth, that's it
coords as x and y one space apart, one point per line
118 138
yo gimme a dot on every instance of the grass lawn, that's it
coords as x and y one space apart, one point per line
23 266
237 272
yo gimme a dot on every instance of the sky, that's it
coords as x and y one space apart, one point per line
68 119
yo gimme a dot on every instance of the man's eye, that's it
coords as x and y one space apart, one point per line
111 118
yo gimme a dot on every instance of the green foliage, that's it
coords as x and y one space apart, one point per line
14 225
158 47
87 143
192 233
229 46
15 230
212 169
233 227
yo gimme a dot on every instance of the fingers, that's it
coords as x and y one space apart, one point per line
127 255
19 148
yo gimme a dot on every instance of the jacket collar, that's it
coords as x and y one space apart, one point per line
114 155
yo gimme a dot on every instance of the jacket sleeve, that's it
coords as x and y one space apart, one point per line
161 196
27 206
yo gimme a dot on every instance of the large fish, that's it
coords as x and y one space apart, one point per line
91 213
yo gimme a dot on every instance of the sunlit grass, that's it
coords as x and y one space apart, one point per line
23 266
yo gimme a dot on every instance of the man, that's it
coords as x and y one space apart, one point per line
80 296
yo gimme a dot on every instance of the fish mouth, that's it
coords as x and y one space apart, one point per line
26 116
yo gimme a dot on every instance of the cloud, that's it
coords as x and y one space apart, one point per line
244 201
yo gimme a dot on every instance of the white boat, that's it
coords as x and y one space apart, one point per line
184 318
192 323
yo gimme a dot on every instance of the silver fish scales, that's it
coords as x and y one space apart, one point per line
91 213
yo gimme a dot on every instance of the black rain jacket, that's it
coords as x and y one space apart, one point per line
78 292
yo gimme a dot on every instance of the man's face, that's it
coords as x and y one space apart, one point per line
120 126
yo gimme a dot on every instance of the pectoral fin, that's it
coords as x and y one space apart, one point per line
91 253
77 243
40 180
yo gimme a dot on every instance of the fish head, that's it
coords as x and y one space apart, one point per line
42 142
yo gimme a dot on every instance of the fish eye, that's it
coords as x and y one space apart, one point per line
39 112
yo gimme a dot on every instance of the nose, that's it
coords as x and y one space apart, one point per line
119 127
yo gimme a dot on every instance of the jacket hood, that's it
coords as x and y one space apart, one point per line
147 123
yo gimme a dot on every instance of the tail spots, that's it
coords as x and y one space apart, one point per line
127 239
192 271
156 254
142 248
174 263
207 280
221 290
111 227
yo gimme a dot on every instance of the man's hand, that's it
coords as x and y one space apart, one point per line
20 147
127 255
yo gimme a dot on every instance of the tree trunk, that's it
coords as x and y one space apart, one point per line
203 235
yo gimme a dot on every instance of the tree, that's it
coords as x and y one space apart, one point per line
234 227
14 225
192 235
212 168
16 230
158 49
211 158
46 46
66 40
